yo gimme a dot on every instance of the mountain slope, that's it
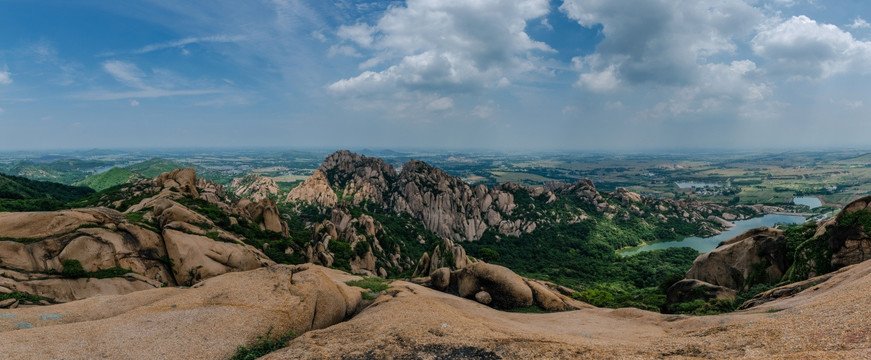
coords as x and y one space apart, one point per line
22 194
113 177
154 167
567 233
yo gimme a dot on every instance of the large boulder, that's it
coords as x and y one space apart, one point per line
196 257
755 256
507 289
183 180
692 289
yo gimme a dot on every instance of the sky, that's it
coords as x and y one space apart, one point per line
454 74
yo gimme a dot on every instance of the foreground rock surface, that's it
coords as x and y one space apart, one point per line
409 321
419 323
205 322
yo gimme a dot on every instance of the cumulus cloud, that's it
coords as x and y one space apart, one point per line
134 103
444 46
725 88
801 47
659 42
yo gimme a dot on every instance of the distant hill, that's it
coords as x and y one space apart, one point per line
22 194
107 179
153 167
64 171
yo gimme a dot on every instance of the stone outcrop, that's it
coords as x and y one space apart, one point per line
446 255
692 289
755 256
498 287
183 180
452 209
363 235
359 178
846 236
158 242
314 190
255 187
265 213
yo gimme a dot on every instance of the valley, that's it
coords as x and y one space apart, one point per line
573 244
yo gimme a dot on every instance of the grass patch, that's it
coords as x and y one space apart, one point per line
73 269
265 344
532 309
22 297
373 284
367 296
134 217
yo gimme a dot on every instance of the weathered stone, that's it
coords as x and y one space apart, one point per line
441 278
483 297
692 289
755 256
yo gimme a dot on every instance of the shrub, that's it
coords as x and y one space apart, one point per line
488 254
72 269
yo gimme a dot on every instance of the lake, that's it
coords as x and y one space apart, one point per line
811 202
704 245
689 184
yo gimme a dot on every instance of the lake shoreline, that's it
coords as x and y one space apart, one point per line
709 243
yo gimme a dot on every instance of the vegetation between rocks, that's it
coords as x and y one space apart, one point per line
265 344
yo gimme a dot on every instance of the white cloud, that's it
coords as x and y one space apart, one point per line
343 50
180 43
160 83
439 46
603 80
725 88
359 33
319 36
134 103
440 104
801 47
483 111
660 42
125 73
5 77
859 23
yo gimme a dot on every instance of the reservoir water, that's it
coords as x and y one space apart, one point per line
704 245
811 202
689 184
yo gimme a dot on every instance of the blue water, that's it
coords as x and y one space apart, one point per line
704 245
688 184
811 202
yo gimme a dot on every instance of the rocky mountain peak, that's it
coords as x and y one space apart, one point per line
254 186
358 178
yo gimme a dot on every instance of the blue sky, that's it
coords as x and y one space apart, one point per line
520 74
